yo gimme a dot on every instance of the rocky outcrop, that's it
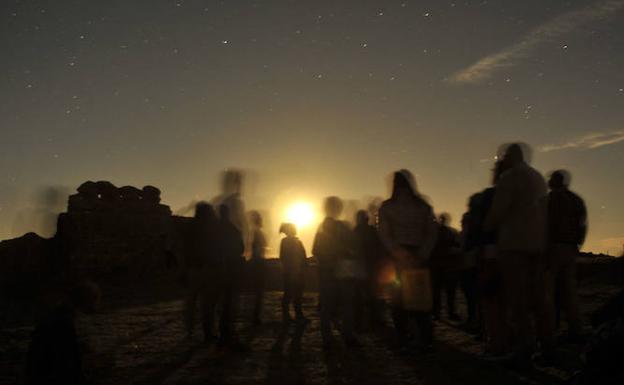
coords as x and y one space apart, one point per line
26 255
109 227
105 228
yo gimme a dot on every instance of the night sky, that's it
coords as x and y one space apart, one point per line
314 97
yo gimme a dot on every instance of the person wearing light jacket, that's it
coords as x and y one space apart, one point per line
408 230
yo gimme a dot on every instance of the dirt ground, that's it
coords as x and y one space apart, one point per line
145 344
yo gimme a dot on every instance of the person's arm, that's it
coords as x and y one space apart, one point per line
500 204
302 251
583 222
430 235
317 244
282 253
240 244
298 258
239 219
385 230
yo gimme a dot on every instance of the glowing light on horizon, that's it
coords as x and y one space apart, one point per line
301 214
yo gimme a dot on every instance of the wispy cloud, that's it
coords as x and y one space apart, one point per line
587 142
547 32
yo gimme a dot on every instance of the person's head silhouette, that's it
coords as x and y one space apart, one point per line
232 181
444 219
514 154
288 229
403 184
559 180
256 219
333 207
361 218
204 211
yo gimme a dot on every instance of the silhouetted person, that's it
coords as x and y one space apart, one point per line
63 246
231 196
257 265
445 268
408 230
293 258
490 281
518 214
333 245
469 276
55 354
567 227
203 270
231 248
369 248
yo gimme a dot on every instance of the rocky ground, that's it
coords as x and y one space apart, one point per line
143 343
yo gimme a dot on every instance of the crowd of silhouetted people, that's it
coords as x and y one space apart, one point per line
514 262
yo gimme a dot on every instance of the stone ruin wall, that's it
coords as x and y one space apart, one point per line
112 227
105 228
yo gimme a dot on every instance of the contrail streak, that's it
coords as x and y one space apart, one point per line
588 142
547 32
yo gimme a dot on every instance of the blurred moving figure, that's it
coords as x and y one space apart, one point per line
257 265
231 196
63 246
202 270
469 274
40 216
567 228
445 268
55 352
231 249
408 230
293 258
518 214
369 248
333 247
491 291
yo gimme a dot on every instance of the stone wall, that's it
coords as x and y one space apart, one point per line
108 227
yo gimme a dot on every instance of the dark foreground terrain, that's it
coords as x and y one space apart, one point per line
143 343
